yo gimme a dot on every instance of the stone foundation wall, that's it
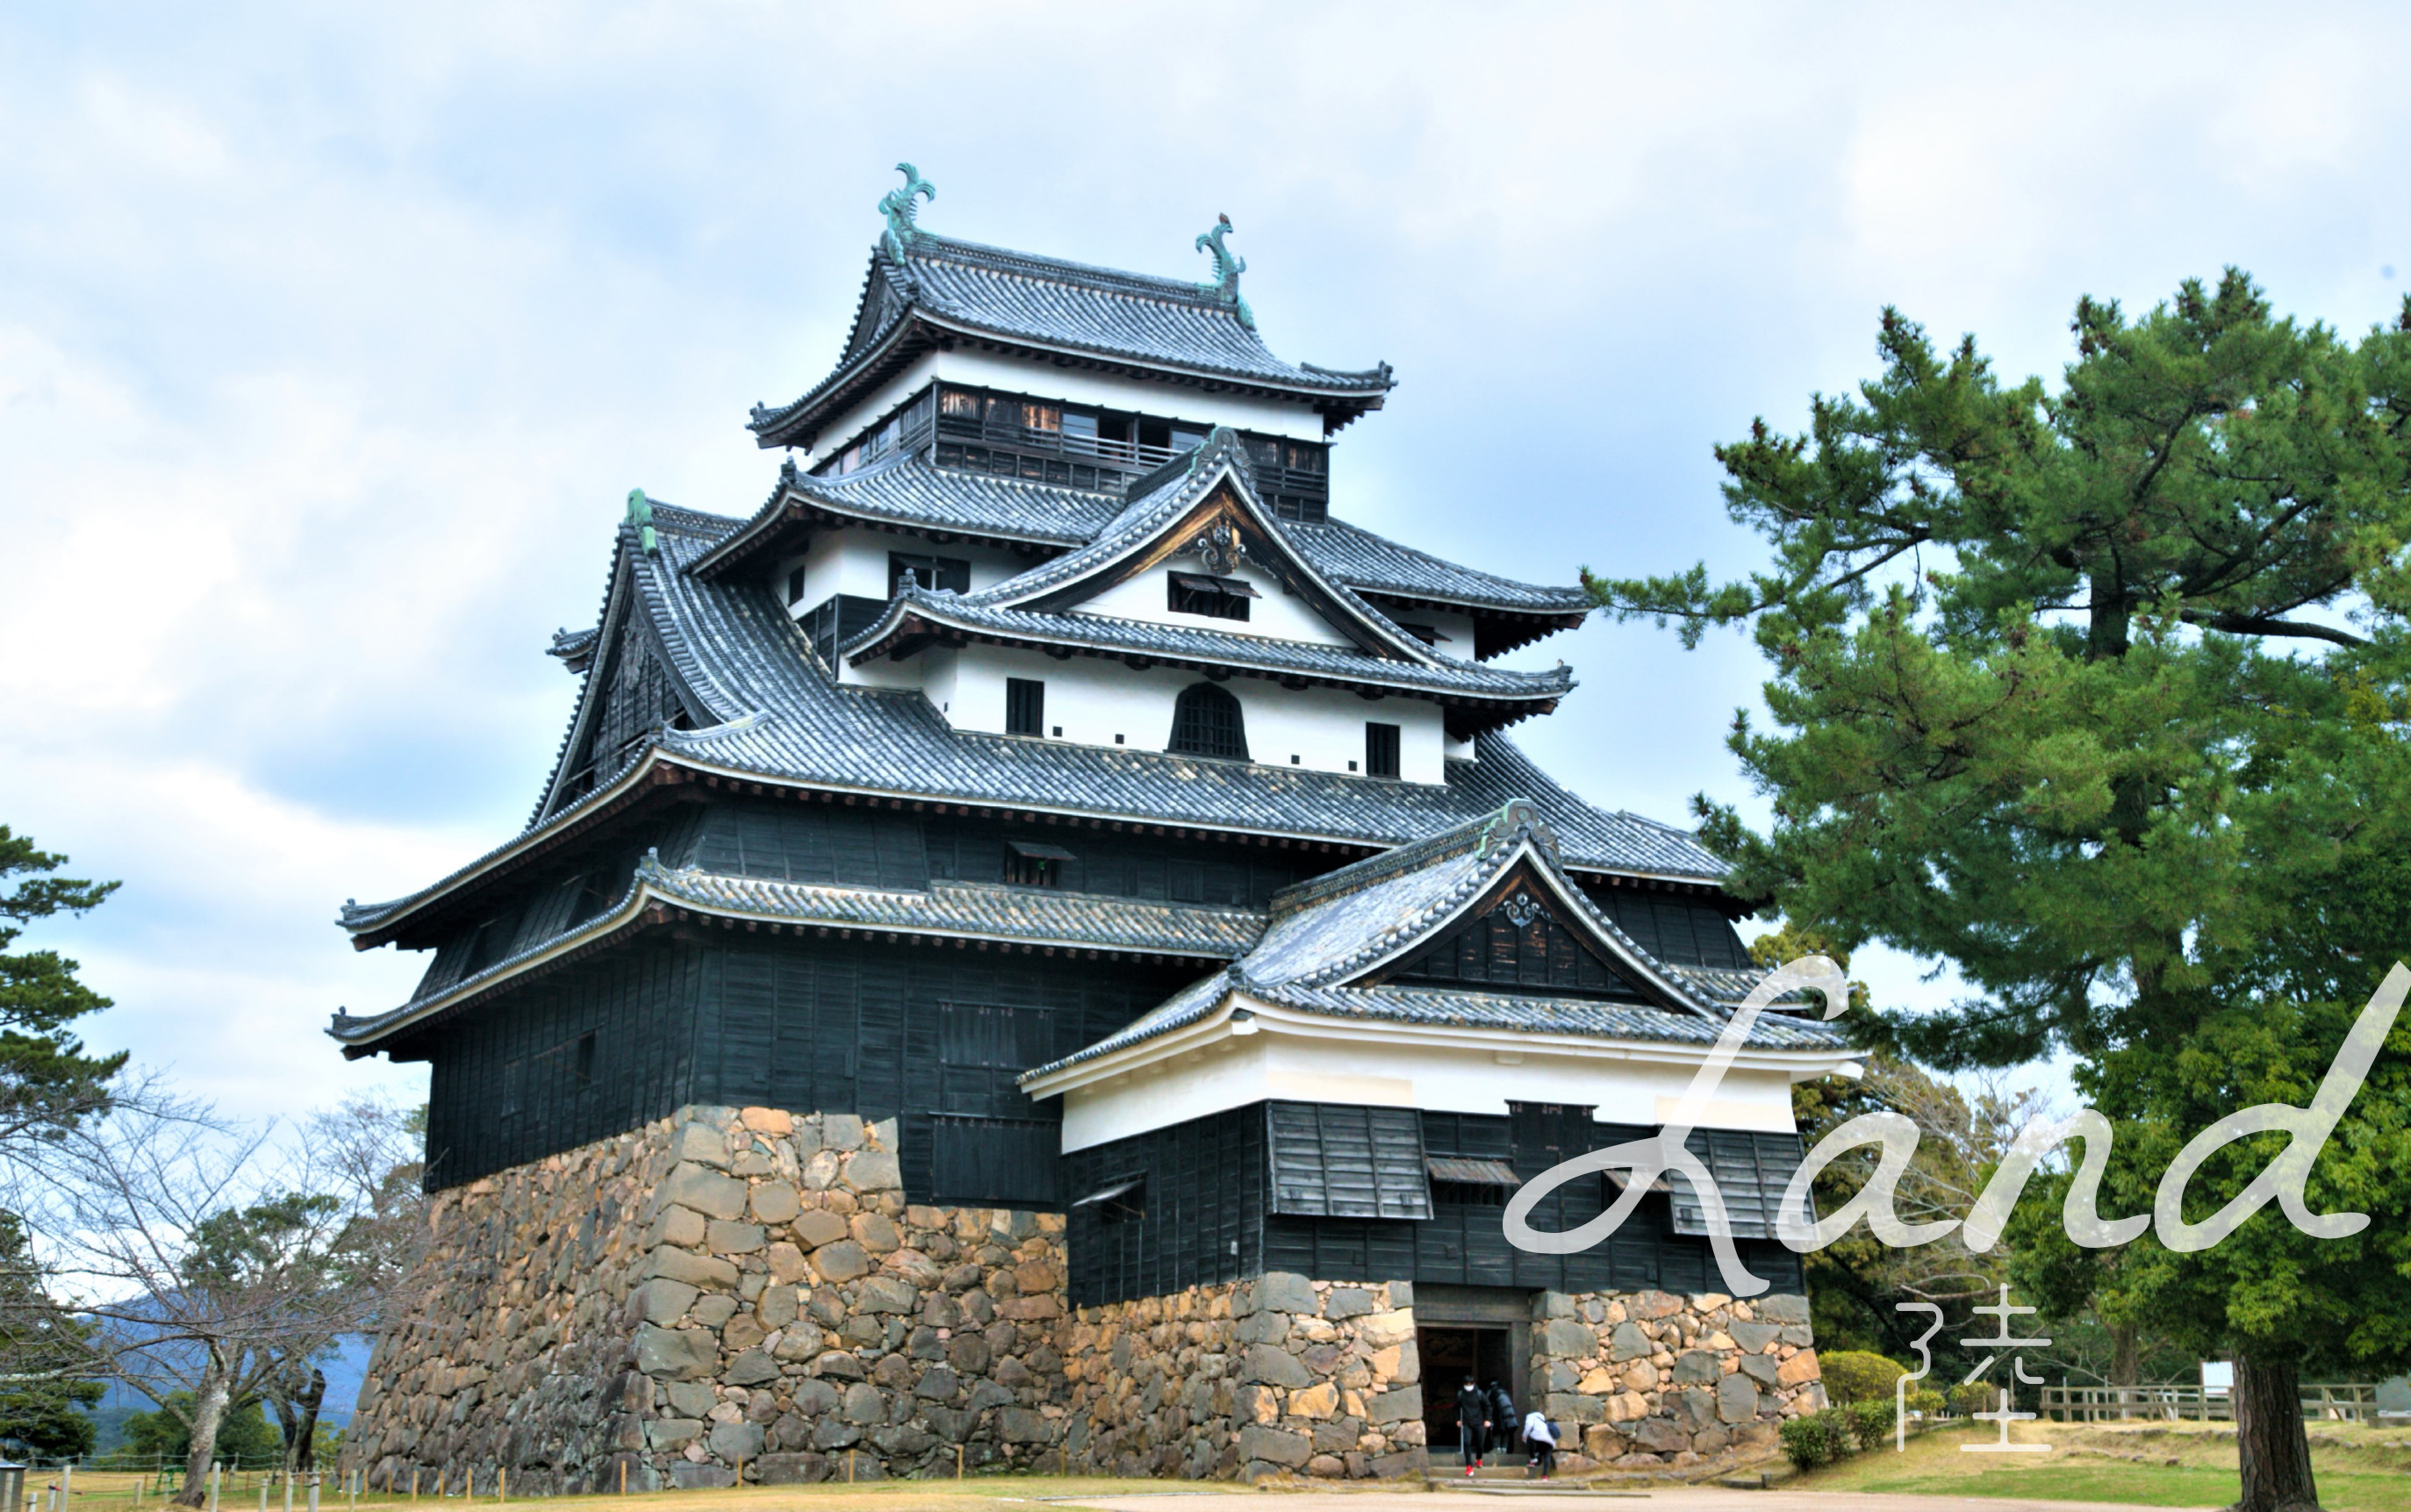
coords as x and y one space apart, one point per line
1253 1378
1655 1382
742 1293
724 1292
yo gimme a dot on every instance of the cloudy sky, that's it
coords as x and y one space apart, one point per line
333 338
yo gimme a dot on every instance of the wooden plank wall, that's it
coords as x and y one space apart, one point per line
886 1031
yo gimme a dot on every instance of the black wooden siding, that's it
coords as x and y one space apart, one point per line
1341 1160
794 842
1198 1218
1494 950
1155 868
1686 931
1208 1185
507 1087
886 1031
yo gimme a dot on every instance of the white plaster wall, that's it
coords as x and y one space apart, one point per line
1456 627
1369 1071
1094 700
1044 380
1278 615
855 561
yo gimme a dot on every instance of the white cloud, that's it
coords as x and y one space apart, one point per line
331 340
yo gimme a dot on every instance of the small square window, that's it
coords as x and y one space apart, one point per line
1117 740
794 587
1293 761
1059 731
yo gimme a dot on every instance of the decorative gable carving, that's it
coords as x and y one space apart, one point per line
1518 940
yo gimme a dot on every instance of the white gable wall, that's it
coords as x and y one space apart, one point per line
1278 616
855 561
1094 698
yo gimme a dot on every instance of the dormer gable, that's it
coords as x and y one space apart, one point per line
1200 516
1518 936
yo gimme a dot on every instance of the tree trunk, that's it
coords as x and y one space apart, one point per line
2126 1355
2274 1453
209 1412
305 1457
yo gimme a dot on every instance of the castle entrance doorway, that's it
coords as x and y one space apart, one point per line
1450 1355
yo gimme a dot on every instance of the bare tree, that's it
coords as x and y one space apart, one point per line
216 1262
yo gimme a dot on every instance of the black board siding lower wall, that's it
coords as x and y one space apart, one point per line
1199 1216
932 1037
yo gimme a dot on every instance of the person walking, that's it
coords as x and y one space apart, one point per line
1503 1419
1542 1440
1472 1424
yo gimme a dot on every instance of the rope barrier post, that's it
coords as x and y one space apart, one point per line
958 1461
414 1483
624 1478
501 1484
849 1467
216 1472
313 1492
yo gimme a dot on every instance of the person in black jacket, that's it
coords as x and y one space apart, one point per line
1472 1423
1503 1422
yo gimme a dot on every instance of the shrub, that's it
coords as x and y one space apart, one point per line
1929 1402
1971 1397
1858 1375
1819 1439
1871 1423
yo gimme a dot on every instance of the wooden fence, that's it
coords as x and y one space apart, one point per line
2353 1401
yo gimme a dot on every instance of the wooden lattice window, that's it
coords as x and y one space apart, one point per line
1381 750
1207 721
1223 597
1024 707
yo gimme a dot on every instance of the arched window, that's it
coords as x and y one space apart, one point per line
1207 722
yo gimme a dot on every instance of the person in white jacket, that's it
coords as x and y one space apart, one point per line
1542 1440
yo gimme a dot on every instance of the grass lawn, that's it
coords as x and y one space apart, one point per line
2359 1470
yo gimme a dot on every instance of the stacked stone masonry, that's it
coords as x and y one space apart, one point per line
1258 1377
731 1293
1655 1382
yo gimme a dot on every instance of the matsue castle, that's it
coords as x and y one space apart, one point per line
1038 949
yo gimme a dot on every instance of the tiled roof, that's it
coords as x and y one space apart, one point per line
1028 915
908 489
1375 564
1059 306
782 720
1328 933
1023 916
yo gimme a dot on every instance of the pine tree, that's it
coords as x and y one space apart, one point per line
2093 692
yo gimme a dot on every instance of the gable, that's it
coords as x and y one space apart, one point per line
1518 939
633 693
1216 537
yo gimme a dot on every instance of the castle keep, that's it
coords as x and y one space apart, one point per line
1037 948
